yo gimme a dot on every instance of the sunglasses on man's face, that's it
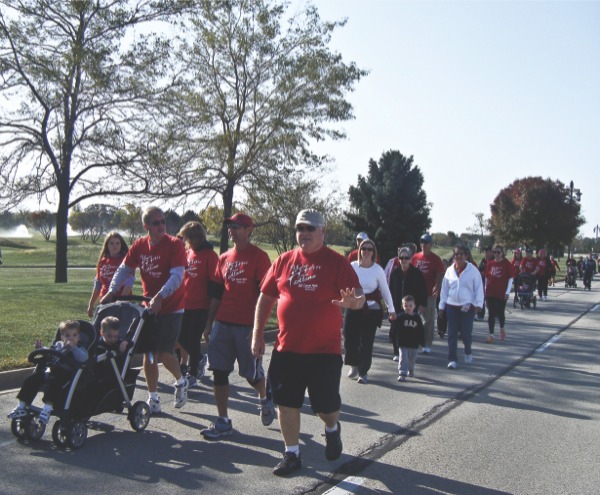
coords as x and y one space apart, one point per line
305 228
404 258
156 223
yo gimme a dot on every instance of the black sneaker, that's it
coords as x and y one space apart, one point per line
333 443
290 463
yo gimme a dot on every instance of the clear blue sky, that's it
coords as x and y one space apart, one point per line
480 93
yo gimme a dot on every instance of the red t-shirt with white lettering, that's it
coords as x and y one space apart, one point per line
497 275
155 262
107 266
305 285
542 264
200 268
431 266
241 272
529 264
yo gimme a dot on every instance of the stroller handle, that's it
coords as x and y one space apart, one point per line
133 298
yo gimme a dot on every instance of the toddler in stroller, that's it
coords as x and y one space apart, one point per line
105 384
524 291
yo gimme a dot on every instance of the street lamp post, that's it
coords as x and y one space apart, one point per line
578 195
596 231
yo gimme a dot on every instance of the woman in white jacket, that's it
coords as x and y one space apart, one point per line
461 297
360 325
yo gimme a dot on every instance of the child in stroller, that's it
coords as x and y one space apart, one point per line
105 384
524 290
66 356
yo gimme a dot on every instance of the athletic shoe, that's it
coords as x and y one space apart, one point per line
362 379
401 378
333 443
290 463
220 428
44 416
396 358
267 412
202 364
192 381
502 334
353 372
17 412
426 350
154 405
490 339
452 365
181 394
411 373
468 358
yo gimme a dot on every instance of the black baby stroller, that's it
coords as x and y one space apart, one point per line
571 278
105 383
525 291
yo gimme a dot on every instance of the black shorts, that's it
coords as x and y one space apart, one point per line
160 333
291 374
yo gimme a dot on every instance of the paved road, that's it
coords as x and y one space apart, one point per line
515 421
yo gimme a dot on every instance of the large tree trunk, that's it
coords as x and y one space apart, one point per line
60 274
227 209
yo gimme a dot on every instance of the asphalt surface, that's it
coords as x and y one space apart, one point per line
521 419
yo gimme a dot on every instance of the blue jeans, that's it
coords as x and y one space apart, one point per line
460 323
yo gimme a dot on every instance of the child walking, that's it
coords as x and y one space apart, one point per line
410 334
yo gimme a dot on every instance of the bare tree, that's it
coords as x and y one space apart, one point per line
259 90
76 102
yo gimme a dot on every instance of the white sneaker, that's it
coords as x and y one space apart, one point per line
181 394
353 372
426 350
452 365
396 358
362 379
468 358
154 405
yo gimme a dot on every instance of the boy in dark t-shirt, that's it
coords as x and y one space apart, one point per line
410 334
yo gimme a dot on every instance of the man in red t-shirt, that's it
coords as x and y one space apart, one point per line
432 268
161 260
307 283
234 291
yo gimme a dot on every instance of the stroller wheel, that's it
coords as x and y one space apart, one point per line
34 428
17 427
59 434
77 434
139 416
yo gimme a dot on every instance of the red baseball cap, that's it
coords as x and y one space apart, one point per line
241 219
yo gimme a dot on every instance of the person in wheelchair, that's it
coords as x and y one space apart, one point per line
63 364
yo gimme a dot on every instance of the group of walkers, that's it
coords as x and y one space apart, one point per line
226 300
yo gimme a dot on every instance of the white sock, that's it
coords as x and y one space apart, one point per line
47 408
22 404
153 395
330 430
294 449
181 381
